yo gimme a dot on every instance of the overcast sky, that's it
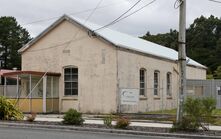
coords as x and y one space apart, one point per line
158 17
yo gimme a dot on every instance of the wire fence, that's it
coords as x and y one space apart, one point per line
205 88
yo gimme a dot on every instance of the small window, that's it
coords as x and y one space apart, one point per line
169 87
70 81
156 82
142 81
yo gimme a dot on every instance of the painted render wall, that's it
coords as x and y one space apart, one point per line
97 65
129 67
96 62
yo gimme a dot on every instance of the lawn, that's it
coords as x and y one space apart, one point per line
169 112
216 114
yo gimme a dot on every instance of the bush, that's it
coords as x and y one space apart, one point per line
73 117
31 117
187 124
108 120
197 113
8 111
122 122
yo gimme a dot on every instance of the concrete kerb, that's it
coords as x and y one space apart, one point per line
96 130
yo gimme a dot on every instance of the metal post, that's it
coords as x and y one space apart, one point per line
17 88
30 92
44 93
182 59
52 93
5 86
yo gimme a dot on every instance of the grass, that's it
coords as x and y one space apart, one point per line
169 112
216 113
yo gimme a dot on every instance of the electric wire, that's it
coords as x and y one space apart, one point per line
177 4
75 13
82 37
119 16
125 16
215 1
77 32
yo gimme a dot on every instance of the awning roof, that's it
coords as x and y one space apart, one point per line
31 72
3 71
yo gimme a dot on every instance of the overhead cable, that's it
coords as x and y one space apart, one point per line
125 16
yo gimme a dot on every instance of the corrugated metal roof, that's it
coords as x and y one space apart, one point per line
135 43
122 40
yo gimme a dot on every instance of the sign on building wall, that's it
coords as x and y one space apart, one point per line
129 96
218 90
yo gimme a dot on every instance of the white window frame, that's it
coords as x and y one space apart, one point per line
169 84
71 81
142 82
156 84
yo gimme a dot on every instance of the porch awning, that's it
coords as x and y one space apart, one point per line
30 72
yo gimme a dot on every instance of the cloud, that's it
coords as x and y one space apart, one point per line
158 17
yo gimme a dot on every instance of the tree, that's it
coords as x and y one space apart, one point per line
217 73
203 41
12 38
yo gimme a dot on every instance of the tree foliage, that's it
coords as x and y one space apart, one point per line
203 41
12 38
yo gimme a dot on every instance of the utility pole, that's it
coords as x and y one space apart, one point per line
182 59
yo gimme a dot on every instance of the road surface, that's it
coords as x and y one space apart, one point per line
26 133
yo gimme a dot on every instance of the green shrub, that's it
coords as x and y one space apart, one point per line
187 124
208 107
197 113
122 122
108 120
73 117
8 111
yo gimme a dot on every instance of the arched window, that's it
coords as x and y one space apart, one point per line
169 83
142 82
156 82
70 81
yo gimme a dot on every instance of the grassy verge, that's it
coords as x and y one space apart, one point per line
172 112
169 112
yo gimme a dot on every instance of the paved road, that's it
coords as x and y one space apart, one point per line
25 133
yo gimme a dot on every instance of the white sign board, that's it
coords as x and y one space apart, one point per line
218 90
129 96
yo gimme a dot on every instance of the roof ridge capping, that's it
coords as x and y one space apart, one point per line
119 39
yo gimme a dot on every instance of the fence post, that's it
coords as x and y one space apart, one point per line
44 93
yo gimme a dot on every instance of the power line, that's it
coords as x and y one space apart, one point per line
75 13
75 35
215 1
177 4
59 45
119 16
126 16
78 39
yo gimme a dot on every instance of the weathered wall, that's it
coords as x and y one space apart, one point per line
96 62
129 65
195 73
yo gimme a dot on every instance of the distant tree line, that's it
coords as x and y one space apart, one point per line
12 38
203 43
